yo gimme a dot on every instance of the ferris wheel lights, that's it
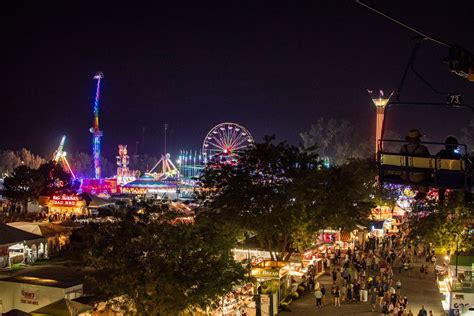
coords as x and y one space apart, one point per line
225 141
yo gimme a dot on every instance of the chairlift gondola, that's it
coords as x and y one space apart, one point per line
395 166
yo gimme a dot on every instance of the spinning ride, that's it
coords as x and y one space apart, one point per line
60 157
225 141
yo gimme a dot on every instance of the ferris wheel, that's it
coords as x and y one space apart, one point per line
225 141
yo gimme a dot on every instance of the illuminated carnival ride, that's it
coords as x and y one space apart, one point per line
224 142
59 156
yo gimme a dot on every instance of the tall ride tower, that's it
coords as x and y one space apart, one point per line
380 104
96 132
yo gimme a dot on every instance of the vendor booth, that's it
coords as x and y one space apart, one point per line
57 235
273 277
63 204
379 228
20 247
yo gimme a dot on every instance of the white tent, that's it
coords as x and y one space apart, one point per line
39 228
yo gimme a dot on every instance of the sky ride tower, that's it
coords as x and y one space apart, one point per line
96 132
380 103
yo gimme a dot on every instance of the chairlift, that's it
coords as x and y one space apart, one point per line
453 172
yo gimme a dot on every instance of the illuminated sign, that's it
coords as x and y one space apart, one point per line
265 273
66 200
29 297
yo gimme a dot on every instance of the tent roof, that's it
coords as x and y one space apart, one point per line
95 202
16 312
39 228
63 307
10 235
148 181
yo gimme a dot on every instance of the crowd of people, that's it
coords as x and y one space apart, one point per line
368 274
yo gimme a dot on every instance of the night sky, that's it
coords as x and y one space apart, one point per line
273 68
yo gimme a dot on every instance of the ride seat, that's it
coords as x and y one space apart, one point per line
430 171
402 169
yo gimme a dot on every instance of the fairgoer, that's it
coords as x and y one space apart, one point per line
414 149
451 149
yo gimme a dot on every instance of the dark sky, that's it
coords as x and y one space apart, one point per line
270 67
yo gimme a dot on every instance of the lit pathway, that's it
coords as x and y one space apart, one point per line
418 291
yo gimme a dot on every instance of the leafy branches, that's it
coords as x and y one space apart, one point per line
162 266
283 196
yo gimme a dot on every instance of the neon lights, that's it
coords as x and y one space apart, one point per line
60 156
66 200
95 129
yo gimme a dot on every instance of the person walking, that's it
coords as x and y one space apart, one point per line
399 286
311 282
422 312
334 276
318 294
380 294
373 298
323 290
337 297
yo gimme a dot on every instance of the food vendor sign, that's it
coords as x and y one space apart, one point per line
66 200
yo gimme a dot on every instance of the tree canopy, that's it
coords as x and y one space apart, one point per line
25 184
283 196
160 265
446 226
10 159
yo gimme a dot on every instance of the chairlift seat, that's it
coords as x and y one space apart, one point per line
430 171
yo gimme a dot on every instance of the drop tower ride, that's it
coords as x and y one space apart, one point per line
96 132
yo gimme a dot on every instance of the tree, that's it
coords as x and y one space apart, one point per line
82 164
446 226
9 160
26 184
22 186
161 266
143 162
340 141
346 194
282 196
337 140
53 179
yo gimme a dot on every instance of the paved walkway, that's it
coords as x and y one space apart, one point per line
418 291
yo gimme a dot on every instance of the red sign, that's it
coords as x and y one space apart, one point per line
29 297
66 200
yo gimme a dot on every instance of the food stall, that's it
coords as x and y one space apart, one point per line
273 277
242 298
63 204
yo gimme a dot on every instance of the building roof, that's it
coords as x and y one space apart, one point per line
11 235
63 307
24 279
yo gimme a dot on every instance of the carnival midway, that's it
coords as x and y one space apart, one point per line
375 267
